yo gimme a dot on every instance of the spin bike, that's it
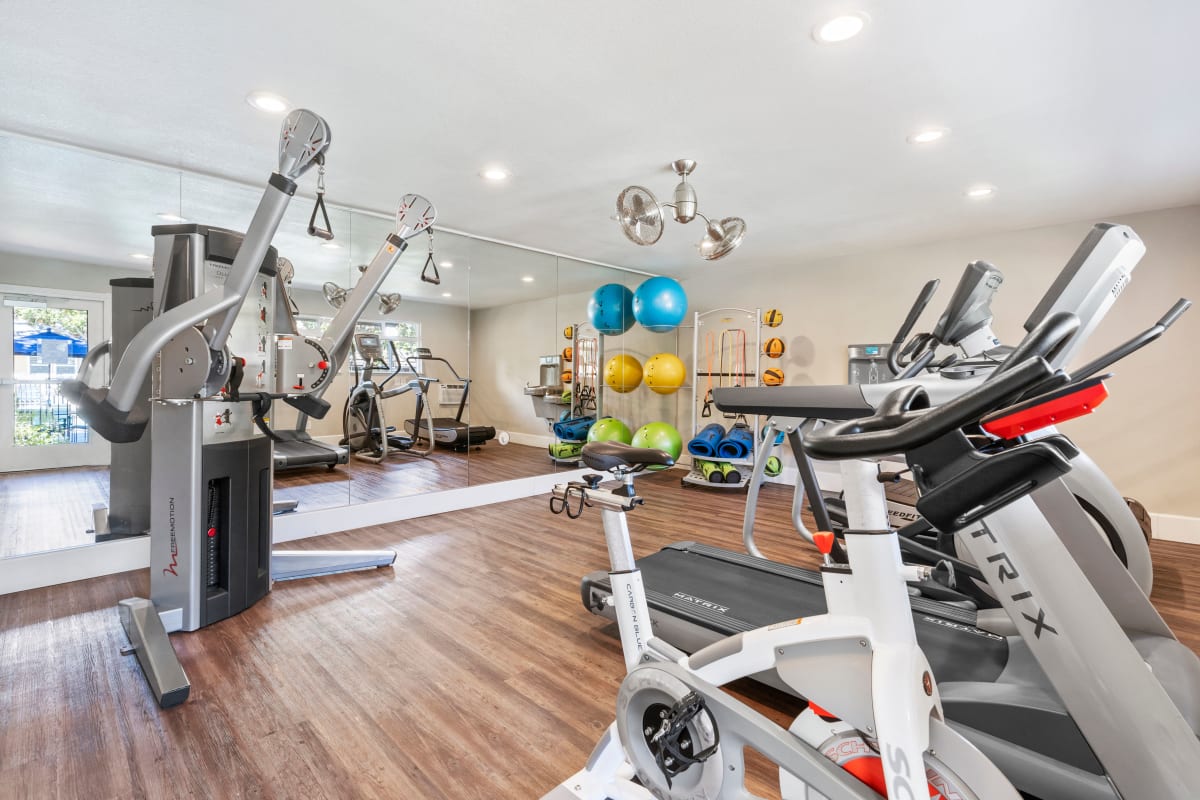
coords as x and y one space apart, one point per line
880 709
364 425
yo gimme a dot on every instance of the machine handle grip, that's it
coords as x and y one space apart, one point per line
905 422
1177 311
914 314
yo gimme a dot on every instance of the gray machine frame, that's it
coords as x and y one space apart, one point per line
210 488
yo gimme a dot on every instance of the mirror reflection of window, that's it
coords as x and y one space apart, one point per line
406 335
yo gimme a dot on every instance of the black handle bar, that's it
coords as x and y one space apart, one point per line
905 422
1136 343
1044 341
914 314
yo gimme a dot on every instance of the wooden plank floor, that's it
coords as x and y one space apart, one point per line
50 509
470 670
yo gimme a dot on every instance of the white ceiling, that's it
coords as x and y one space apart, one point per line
1075 109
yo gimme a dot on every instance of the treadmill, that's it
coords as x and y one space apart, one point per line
297 448
449 432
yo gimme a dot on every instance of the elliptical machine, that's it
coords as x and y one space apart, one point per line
364 423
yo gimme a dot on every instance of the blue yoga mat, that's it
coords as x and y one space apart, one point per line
573 430
737 444
704 445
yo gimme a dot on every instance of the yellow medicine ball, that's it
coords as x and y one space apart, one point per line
569 332
567 353
567 376
773 377
773 347
773 318
623 373
665 373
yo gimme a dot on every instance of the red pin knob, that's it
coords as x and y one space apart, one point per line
824 541
212 532
322 365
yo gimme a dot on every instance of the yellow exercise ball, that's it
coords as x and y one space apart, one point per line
665 373
623 373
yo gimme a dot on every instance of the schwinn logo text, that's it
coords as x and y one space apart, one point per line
1006 571
700 601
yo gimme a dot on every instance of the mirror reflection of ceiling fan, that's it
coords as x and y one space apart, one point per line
336 296
641 216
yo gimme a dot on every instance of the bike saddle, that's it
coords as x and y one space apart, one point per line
609 456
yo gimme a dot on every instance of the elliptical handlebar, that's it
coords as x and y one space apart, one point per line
1136 343
905 422
914 313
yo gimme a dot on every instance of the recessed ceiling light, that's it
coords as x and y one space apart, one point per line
447 265
927 135
446 294
981 191
268 102
140 256
169 217
839 29
527 278
495 173
332 246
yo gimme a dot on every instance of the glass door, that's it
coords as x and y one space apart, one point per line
42 342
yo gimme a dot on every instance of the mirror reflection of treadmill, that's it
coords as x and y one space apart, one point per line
451 432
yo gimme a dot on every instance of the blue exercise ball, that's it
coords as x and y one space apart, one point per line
660 304
611 309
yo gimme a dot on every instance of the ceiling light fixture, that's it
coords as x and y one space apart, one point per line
167 216
495 174
981 191
527 278
446 294
839 29
268 102
447 265
140 256
928 135
332 246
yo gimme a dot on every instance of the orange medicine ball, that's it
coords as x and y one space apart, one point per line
773 347
567 376
773 376
567 353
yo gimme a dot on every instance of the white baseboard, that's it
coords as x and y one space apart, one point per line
20 573
530 439
1175 528
329 438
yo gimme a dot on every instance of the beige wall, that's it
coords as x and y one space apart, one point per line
1146 437
50 273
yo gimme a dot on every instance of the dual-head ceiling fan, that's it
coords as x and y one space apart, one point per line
336 296
641 216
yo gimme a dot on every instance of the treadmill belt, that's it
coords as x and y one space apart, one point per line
730 592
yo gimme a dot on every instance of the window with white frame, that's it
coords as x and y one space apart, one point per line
406 335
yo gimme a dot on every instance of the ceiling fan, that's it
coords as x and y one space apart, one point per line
641 216
336 296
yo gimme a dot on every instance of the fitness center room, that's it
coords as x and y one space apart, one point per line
600 402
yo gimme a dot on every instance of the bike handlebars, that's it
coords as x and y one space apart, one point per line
905 422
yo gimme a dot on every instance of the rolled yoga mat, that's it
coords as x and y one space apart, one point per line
704 445
573 430
737 443
711 471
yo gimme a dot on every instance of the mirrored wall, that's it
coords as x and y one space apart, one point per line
473 356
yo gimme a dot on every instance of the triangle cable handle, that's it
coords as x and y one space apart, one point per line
436 280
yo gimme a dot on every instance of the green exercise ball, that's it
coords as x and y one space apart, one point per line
661 436
610 429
